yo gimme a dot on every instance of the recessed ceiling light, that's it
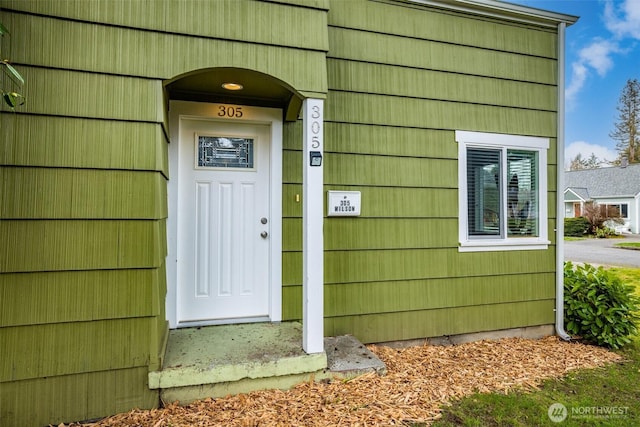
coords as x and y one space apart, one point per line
232 86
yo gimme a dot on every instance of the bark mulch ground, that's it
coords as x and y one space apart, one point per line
420 380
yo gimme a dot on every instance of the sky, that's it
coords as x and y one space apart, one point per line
602 53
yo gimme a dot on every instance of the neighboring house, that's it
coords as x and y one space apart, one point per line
137 194
613 187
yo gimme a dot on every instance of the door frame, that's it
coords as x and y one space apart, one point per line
227 113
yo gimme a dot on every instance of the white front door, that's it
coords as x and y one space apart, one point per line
223 269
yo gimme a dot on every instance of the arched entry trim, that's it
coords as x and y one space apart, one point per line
258 89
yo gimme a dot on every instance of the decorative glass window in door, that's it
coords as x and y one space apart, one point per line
224 152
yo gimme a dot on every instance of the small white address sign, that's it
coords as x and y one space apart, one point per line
343 203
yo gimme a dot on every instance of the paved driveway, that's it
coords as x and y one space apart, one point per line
603 252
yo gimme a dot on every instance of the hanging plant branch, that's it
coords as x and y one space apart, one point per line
12 72
11 98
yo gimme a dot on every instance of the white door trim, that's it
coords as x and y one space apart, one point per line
221 112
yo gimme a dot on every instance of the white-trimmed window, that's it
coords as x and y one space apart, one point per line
616 210
502 182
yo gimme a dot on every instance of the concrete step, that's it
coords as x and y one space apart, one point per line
216 361
348 358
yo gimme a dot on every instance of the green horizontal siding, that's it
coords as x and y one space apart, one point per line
91 95
386 202
382 140
387 141
353 169
355 233
82 143
410 264
399 81
378 233
391 233
228 19
551 210
426 54
552 163
54 400
416 21
53 245
427 113
159 326
449 321
318 4
77 296
425 294
81 193
75 347
99 48
251 21
552 176
389 171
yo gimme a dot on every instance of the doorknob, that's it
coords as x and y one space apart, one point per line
264 234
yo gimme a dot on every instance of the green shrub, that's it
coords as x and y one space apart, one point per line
598 307
576 227
603 232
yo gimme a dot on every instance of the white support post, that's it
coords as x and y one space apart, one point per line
312 227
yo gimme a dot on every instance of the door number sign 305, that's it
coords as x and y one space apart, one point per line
230 111
315 126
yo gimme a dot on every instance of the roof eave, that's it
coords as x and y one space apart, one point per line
503 10
616 196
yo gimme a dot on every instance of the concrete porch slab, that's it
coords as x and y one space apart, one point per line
227 353
217 361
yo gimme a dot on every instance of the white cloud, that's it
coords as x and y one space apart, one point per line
624 20
597 55
586 149
578 77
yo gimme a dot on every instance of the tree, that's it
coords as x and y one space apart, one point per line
11 97
597 215
627 128
578 163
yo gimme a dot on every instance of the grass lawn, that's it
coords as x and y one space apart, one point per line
587 394
629 245
574 239
628 275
